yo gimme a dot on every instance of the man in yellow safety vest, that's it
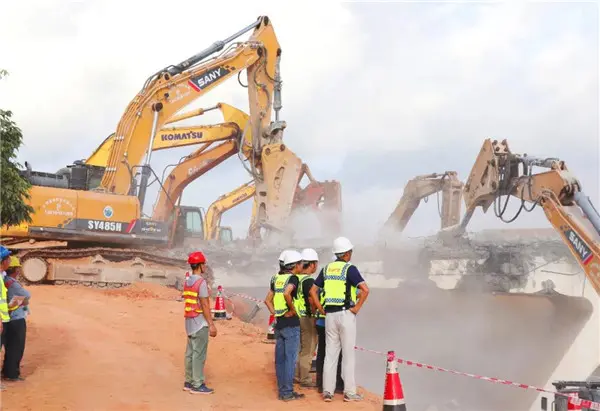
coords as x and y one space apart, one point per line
304 308
280 302
340 281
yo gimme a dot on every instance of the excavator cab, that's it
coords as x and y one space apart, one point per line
187 226
225 235
187 223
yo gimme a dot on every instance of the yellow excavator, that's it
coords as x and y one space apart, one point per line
421 187
94 218
174 137
498 172
213 231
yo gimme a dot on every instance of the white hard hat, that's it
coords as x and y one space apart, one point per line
341 245
282 255
308 254
291 257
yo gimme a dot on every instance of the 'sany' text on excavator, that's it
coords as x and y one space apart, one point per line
112 214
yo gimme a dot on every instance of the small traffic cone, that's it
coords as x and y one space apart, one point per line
271 330
219 312
313 365
393 396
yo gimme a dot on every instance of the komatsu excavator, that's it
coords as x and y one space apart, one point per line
111 214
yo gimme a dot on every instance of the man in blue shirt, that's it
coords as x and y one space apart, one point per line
340 281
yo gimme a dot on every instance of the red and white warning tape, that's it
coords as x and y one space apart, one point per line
573 400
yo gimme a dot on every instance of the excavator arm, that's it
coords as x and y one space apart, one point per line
423 186
173 137
499 172
212 218
200 161
170 90
192 167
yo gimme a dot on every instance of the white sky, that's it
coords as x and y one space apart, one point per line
373 93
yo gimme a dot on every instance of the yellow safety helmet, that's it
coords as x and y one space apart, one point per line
14 261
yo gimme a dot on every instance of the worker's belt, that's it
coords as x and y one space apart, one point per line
335 309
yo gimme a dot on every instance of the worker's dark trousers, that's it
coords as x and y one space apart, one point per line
339 385
13 339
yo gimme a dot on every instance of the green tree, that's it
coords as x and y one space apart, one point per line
14 189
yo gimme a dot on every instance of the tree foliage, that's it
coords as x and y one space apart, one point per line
14 189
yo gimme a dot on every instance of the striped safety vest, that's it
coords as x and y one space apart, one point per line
335 286
192 307
280 282
300 302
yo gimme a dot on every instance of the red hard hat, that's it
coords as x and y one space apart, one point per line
196 258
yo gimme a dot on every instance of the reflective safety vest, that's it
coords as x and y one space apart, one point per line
190 297
9 281
280 282
321 295
337 292
4 316
299 302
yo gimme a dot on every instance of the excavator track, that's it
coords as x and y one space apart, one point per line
99 267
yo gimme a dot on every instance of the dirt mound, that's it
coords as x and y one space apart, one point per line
144 291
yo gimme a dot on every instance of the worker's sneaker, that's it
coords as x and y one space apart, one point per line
203 389
289 397
14 379
298 395
353 397
327 397
187 386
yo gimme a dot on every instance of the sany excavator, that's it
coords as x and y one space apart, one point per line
94 221
499 172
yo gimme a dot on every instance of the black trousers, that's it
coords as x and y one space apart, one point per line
13 339
339 385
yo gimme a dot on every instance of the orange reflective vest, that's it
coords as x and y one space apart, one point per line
190 297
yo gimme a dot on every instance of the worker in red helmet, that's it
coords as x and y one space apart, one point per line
198 325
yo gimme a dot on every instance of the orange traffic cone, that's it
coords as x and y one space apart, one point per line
393 396
219 312
271 331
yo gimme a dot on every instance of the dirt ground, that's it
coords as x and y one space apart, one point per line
94 349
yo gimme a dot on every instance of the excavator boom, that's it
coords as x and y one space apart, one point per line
173 88
422 187
199 162
212 219
173 137
498 172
